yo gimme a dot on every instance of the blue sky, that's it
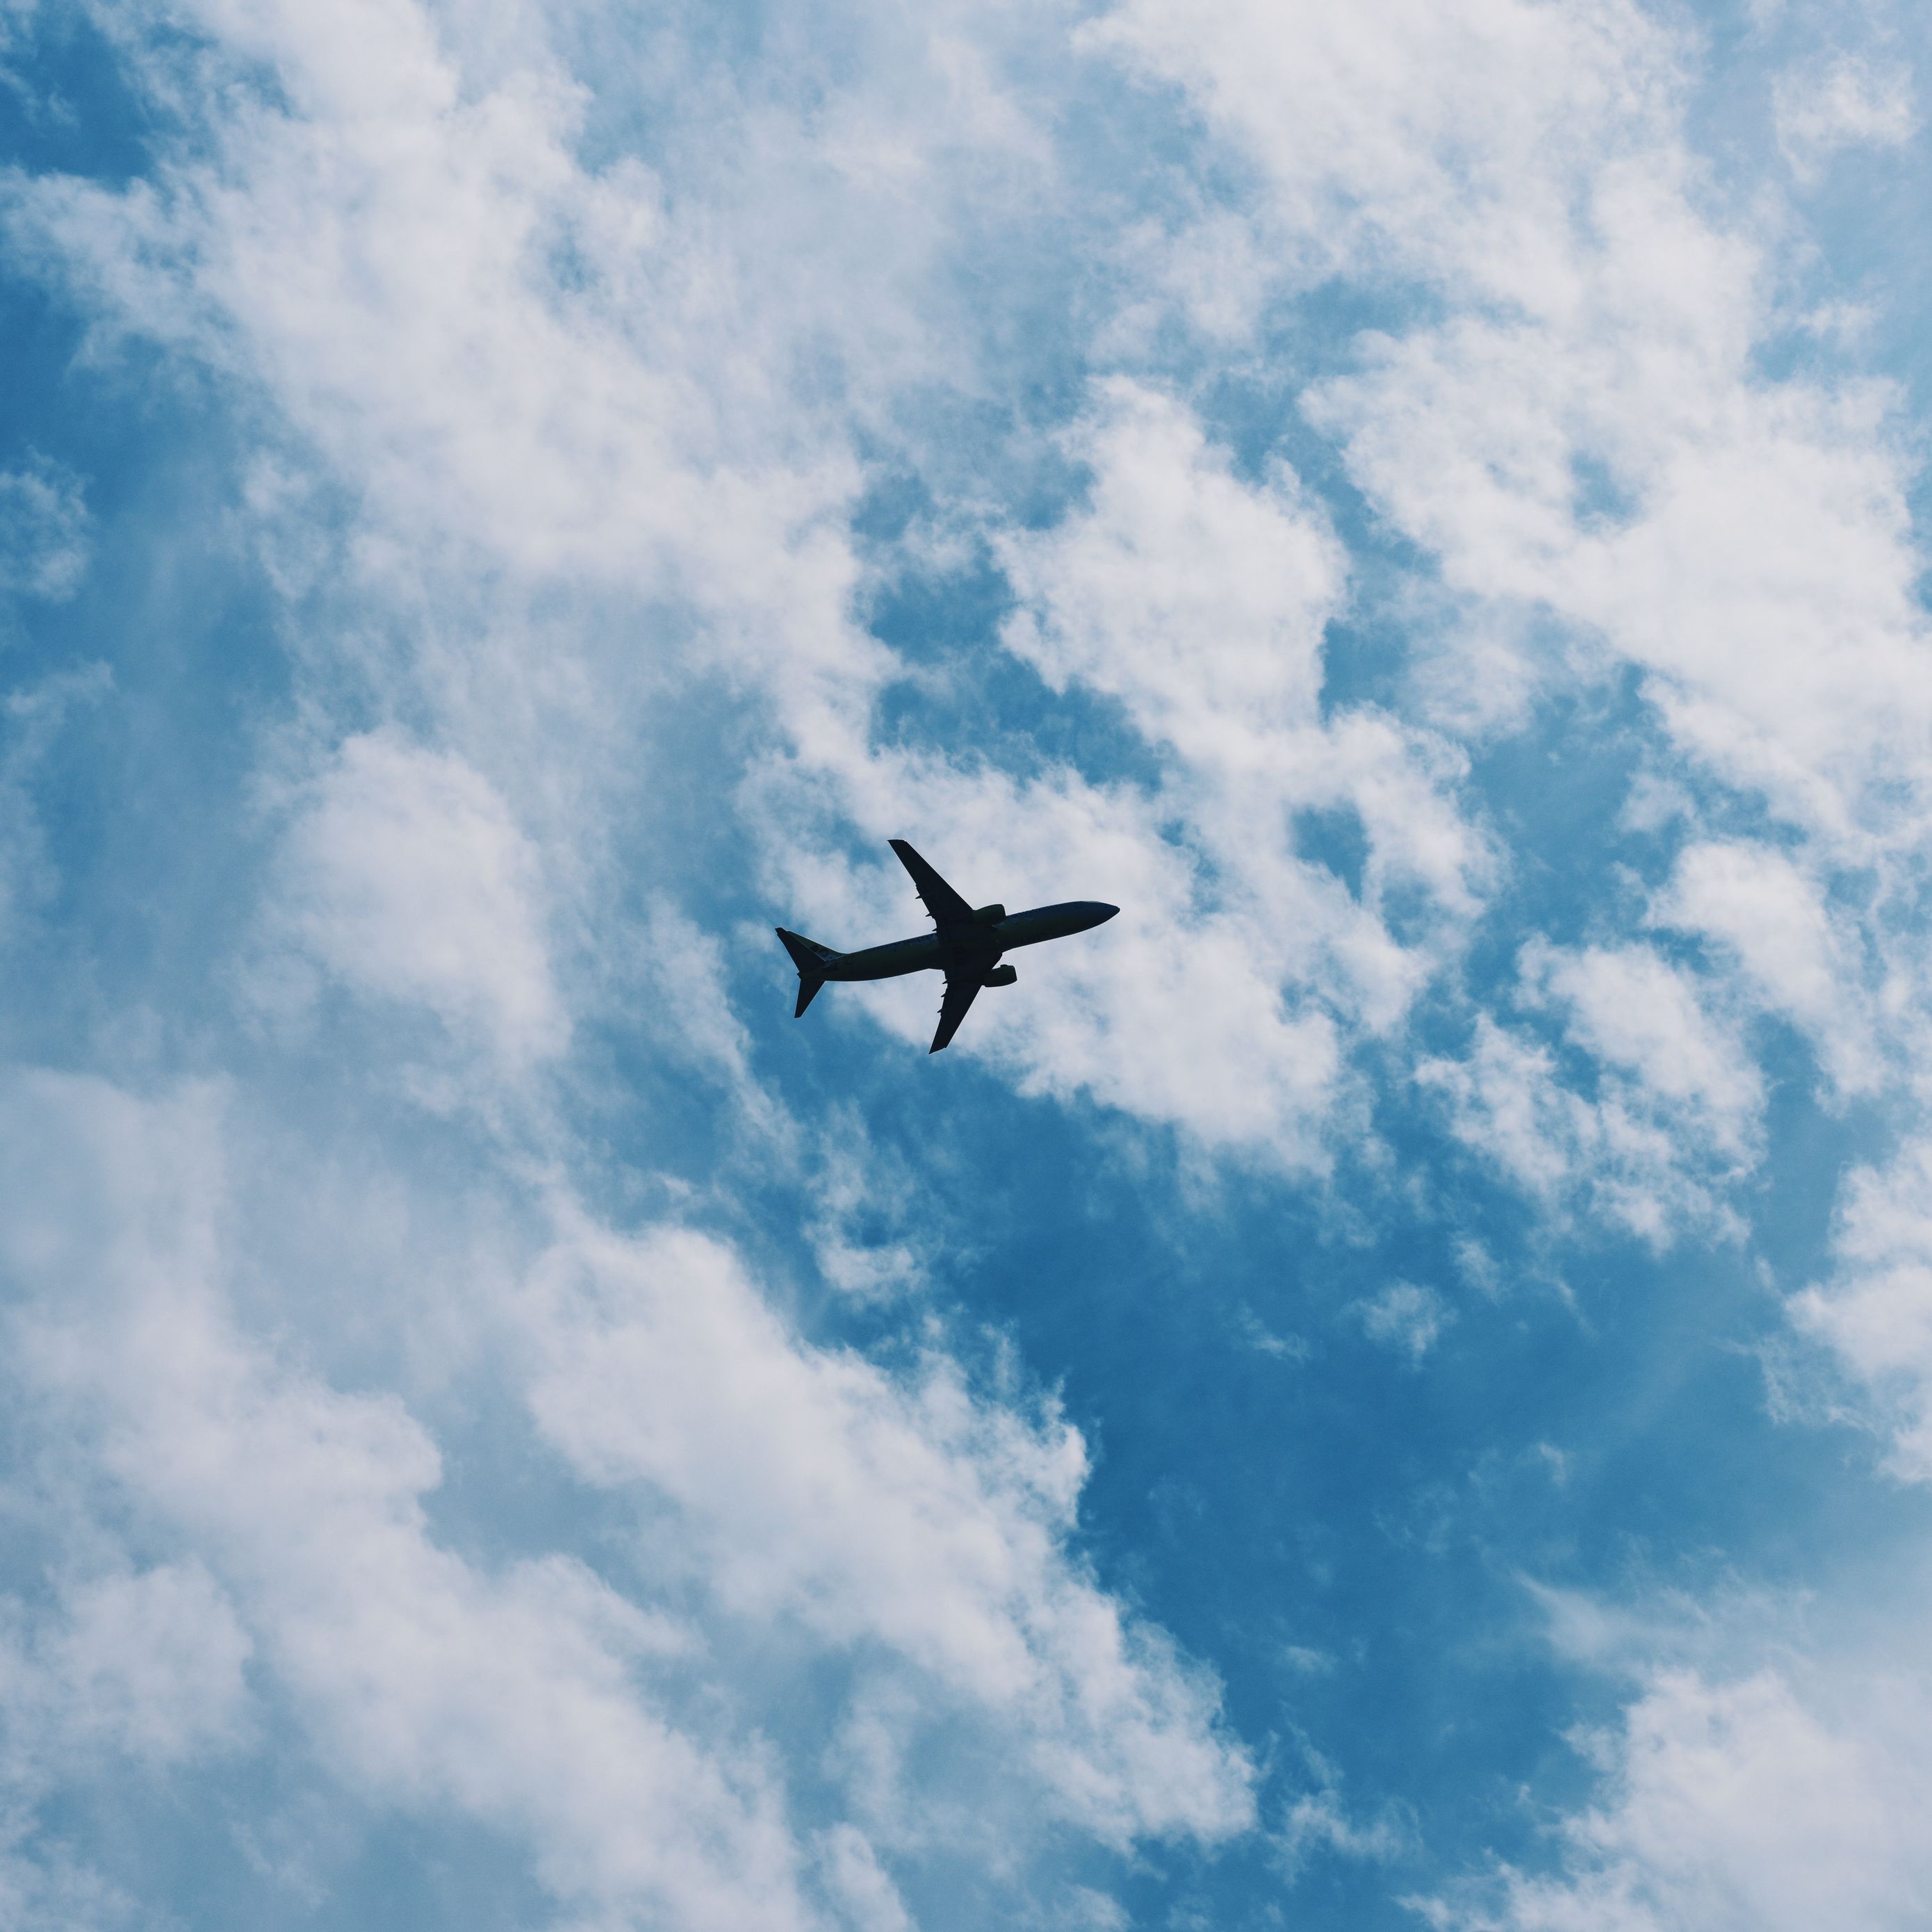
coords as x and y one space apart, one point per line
1390 1386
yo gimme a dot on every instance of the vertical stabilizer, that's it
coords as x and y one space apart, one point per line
811 959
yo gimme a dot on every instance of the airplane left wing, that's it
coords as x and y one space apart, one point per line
946 907
960 989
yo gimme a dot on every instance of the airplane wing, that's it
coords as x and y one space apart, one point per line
945 906
960 988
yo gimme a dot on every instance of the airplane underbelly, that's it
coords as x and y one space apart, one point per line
888 962
1018 932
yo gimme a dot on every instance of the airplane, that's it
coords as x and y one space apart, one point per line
965 945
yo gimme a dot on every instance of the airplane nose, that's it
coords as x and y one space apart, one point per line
1105 911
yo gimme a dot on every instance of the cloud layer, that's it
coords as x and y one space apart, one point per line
512 503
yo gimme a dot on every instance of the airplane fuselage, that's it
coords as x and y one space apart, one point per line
978 945
965 945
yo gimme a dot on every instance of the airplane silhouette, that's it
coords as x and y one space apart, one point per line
965 945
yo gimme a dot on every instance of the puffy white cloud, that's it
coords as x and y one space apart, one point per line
422 1678
1772 920
1752 560
627 393
376 246
405 876
1637 1014
1675 1112
1506 1101
609 424
687 1006
1572 426
1185 1010
1582 432
1318 1822
908 1526
856 1878
631 423
48 1887
1199 601
126 1669
1875 1313
1747 1804
1437 140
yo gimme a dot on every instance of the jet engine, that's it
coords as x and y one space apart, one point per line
988 915
1001 976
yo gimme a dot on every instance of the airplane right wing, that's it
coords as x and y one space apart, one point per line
960 990
945 906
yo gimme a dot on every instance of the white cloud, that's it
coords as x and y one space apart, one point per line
631 426
44 1885
1198 600
1643 1018
1575 429
1318 1821
873 1225
405 876
1583 433
817 1488
656 442
44 533
1875 1313
1406 1317
1670 1121
149 1662
1440 135
124 1669
820 1509
1772 920
1675 1116
1740 1805
855 1877
422 1679
1176 1012
376 248
1201 602
1853 101
687 1005
1760 572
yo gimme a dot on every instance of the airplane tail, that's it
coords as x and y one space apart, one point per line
810 958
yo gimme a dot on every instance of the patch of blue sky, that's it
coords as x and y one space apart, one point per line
144 687
1602 1424
66 102
262 1841
963 691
